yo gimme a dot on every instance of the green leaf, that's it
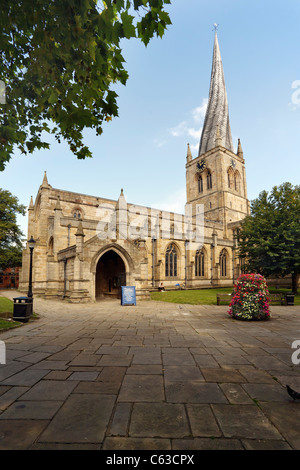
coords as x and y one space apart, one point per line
53 97
128 27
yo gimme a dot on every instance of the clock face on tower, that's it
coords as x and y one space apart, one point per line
201 165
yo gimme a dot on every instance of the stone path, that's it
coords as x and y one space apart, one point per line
155 376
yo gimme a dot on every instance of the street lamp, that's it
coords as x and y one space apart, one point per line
31 244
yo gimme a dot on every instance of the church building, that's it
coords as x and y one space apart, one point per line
87 247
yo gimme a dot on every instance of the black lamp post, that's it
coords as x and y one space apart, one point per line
31 244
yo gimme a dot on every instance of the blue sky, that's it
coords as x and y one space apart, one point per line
161 108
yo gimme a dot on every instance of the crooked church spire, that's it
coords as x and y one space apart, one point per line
217 115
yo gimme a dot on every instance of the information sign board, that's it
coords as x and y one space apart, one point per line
128 296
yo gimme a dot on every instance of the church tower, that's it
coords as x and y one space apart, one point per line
217 177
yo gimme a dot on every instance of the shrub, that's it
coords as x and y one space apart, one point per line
250 300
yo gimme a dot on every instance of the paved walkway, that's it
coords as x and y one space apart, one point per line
156 376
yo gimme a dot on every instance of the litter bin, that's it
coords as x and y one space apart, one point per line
289 299
22 308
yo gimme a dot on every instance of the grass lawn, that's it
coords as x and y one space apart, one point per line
7 305
194 297
203 296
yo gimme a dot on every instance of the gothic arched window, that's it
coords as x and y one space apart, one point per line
171 261
237 181
200 184
77 214
209 179
223 263
50 247
230 177
199 263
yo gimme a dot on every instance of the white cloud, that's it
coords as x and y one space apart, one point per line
191 128
160 143
187 128
179 130
199 112
194 147
173 203
196 134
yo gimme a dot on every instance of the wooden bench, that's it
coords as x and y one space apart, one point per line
279 297
223 298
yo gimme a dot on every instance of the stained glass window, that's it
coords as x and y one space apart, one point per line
199 263
200 184
209 180
223 263
171 261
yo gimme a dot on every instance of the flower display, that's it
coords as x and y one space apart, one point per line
250 299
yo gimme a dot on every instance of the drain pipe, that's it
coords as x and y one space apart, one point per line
153 261
186 242
211 262
65 277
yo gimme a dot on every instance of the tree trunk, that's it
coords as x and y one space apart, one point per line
295 277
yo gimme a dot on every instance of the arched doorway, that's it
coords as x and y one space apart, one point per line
110 275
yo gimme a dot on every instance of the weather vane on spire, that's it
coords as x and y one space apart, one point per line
216 27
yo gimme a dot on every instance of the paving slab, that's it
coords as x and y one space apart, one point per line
202 421
84 376
120 423
180 374
82 418
27 377
244 421
191 391
159 420
212 443
146 388
107 388
9 397
11 368
20 434
31 410
115 360
50 390
222 375
261 444
266 392
140 369
286 418
131 443
235 394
